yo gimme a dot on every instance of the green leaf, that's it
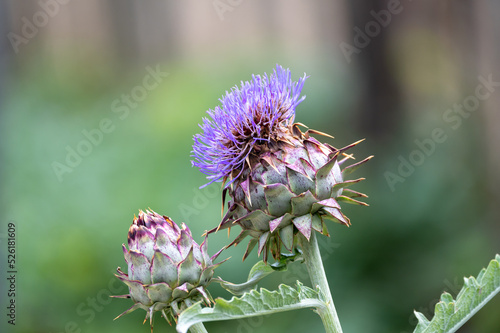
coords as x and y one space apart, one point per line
253 304
451 314
259 271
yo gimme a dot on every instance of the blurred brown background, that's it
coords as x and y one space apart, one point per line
100 100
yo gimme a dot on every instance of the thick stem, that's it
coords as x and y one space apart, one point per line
312 258
198 328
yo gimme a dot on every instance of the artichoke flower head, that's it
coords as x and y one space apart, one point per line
280 181
167 270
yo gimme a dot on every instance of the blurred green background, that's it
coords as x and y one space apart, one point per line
66 69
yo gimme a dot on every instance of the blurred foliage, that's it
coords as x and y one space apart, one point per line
399 254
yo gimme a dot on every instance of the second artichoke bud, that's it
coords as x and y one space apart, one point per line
167 270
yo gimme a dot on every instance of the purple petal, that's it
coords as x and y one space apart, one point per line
248 115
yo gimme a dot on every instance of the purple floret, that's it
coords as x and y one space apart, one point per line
248 116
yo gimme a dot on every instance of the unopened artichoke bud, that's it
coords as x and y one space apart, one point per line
280 181
167 270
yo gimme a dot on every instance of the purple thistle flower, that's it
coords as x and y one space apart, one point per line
250 118
285 184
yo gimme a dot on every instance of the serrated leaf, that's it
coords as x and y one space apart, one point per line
252 304
451 314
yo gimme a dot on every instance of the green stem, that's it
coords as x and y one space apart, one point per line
312 258
198 328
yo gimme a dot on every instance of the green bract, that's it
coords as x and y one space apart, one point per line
167 269
293 184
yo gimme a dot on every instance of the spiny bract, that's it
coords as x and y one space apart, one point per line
280 180
167 269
